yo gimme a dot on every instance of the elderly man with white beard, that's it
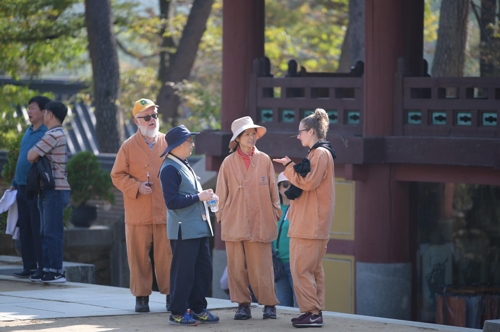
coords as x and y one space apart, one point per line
135 174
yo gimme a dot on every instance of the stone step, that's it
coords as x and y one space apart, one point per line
75 272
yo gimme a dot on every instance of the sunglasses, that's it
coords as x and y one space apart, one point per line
148 117
285 184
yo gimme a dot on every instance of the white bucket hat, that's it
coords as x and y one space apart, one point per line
282 177
240 125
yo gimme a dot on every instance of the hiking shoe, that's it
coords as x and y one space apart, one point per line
205 317
23 274
37 276
243 312
185 320
142 304
301 316
53 277
308 320
269 312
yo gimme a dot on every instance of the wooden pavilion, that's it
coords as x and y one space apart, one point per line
391 127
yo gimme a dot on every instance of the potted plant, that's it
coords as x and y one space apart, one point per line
88 181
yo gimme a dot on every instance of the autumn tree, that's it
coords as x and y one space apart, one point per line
106 74
311 32
449 59
353 47
176 60
490 42
35 37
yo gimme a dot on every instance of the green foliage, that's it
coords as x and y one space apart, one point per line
136 84
11 124
3 222
67 214
9 169
138 34
431 20
43 34
88 180
35 36
311 32
203 107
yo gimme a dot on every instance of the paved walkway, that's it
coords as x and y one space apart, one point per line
28 306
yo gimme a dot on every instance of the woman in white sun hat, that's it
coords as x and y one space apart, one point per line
249 208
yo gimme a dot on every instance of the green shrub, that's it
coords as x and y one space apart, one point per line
9 169
88 180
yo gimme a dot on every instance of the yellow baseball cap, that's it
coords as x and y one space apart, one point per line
142 104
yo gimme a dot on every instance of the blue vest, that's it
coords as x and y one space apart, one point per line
190 219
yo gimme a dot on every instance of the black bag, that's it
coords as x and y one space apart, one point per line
40 173
279 271
302 168
293 192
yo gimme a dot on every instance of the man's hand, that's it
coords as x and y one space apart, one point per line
11 188
145 188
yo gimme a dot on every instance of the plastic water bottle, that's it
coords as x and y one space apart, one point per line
213 205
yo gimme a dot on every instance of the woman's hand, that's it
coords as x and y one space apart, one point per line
207 195
283 161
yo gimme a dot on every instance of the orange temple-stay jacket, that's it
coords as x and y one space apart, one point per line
249 205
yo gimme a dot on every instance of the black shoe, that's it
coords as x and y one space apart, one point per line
142 304
308 320
243 312
37 276
269 312
299 318
168 302
53 277
23 274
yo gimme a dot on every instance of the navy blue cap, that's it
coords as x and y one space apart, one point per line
175 137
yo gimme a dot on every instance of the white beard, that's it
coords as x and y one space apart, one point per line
149 132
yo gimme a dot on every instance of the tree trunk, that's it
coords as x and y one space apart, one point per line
106 74
449 59
490 46
180 64
345 55
353 47
357 27
167 42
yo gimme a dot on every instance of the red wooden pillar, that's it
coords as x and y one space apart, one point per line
243 25
242 41
383 268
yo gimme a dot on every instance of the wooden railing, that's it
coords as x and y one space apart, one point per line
446 107
280 103
424 106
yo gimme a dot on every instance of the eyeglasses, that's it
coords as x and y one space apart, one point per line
301 130
148 117
190 141
285 184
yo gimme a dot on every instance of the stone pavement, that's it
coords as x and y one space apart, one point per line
28 306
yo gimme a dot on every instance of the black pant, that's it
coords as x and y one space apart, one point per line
190 275
29 230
